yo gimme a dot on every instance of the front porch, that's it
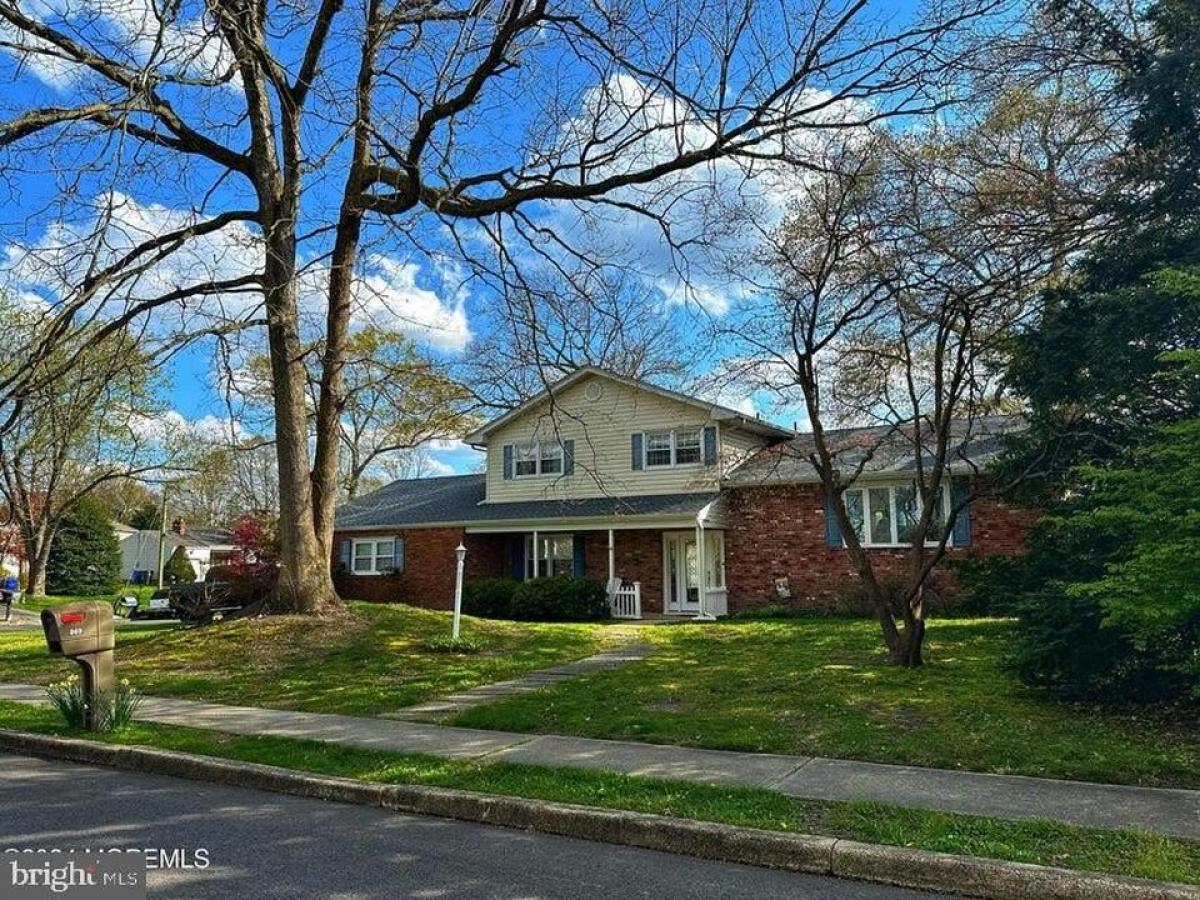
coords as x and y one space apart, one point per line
677 570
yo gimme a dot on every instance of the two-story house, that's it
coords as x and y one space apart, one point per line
681 506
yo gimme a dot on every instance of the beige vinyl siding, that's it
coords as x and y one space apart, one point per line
601 428
737 446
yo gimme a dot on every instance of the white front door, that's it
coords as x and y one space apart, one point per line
681 572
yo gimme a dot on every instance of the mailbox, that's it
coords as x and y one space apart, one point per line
85 633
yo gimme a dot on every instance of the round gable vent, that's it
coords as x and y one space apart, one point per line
593 391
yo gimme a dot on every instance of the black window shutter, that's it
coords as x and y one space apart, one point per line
398 553
516 557
710 445
833 531
345 555
635 452
508 462
959 488
578 561
568 457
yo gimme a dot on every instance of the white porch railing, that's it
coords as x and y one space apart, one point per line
625 599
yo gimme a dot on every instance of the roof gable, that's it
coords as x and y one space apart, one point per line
715 411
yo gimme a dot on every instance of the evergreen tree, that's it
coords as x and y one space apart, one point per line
179 568
85 558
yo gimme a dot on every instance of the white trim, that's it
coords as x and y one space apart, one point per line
538 459
374 557
673 464
893 511
598 524
669 577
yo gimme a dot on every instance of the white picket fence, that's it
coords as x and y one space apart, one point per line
625 599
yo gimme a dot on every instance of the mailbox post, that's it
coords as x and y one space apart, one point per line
84 632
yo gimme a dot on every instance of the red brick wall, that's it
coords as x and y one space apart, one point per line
429 565
780 531
638 557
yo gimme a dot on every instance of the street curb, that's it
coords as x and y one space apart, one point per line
882 864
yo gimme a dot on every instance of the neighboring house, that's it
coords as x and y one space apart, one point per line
681 506
205 548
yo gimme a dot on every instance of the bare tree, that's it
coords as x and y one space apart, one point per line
452 122
895 281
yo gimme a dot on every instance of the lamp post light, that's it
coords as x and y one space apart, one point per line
461 553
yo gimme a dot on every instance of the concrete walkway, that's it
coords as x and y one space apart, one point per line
435 710
1171 812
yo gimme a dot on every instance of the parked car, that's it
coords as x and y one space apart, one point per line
225 593
159 608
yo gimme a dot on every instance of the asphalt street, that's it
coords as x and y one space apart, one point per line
266 845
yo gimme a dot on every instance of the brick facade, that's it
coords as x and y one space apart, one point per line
779 531
638 556
773 531
429 564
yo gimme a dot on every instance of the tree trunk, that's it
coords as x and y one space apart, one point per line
305 580
908 652
38 556
326 470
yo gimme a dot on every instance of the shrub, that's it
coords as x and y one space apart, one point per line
464 643
68 698
85 558
124 706
117 711
1107 598
179 568
560 599
490 598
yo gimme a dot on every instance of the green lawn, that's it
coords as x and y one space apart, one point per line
372 661
821 686
1046 843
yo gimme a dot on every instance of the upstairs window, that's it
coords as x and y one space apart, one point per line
665 449
658 449
687 448
531 460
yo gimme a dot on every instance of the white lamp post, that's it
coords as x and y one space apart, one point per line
460 552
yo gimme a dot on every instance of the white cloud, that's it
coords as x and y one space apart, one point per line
427 302
715 211
388 294
137 32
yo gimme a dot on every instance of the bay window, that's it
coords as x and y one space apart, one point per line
887 515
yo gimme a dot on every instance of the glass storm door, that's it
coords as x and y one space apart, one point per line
681 574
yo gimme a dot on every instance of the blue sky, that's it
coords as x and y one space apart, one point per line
413 280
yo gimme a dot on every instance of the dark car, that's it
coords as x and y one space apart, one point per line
225 593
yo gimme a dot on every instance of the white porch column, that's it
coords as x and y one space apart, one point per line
702 572
535 553
612 558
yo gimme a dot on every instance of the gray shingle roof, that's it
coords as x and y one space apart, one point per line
455 499
880 450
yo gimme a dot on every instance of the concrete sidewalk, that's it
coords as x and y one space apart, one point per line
1171 812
